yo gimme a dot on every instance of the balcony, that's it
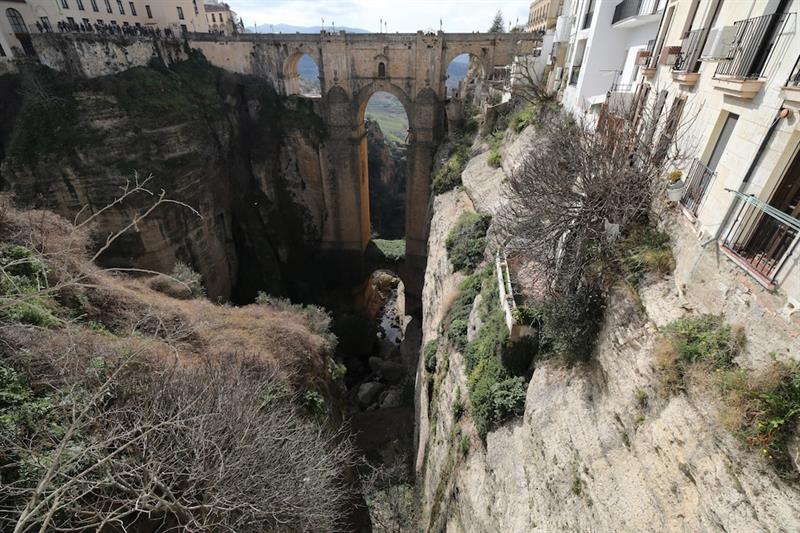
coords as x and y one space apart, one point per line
761 238
687 65
741 72
631 13
697 182
791 89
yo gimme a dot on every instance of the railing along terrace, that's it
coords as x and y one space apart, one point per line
691 47
761 236
748 56
794 77
697 183
631 8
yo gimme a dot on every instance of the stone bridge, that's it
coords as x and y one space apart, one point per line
352 67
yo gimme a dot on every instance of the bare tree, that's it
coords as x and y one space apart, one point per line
212 447
585 185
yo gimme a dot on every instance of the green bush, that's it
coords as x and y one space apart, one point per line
646 250
457 334
508 398
495 159
467 240
314 403
522 118
464 446
458 405
764 408
482 381
570 324
527 315
33 311
448 177
429 355
487 343
392 251
462 306
705 339
188 276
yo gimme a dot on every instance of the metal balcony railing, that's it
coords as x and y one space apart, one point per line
753 46
794 77
697 182
689 58
573 75
633 8
761 236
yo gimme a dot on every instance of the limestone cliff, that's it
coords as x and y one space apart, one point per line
598 449
247 160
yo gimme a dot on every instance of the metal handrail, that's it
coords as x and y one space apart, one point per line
761 236
747 47
697 183
691 47
794 77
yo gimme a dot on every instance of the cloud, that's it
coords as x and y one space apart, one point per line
402 15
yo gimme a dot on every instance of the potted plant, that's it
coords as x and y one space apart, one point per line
675 186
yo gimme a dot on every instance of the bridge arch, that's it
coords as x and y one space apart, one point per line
291 70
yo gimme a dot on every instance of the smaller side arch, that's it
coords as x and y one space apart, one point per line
292 76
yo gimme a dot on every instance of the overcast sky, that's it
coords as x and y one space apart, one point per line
402 15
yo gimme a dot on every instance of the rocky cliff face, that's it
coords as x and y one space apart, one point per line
246 160
598 449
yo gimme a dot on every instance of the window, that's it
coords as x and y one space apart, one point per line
722 141
184 29
87 23
125 24
196 10
80 4
113 23
149 12
46 23
121 9
65 4
180 13
71 21
100 21
213 17
94 6
133 8
381 70
108 6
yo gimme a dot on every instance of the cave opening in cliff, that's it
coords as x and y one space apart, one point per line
387 129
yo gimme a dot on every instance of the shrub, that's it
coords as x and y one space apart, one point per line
33 311
486 345
482 381
429 355
522 118
462 307
448 176
646 250
764 408
458 405
314 404
457 334
464 446
508 398
185 274
495 159
467 240
704 340
571 324
526 315
317 318
392 251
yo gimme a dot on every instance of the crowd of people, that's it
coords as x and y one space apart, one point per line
67 26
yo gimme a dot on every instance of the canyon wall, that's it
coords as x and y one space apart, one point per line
245 162
598 447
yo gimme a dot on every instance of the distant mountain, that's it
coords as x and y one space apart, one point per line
288 28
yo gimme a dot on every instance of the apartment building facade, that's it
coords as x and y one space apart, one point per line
221 19
600 43
731 71
542 15
20 18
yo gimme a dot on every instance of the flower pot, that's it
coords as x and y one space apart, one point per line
675 191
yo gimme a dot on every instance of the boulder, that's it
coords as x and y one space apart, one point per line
368 392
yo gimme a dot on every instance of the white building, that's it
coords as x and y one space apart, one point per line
606 40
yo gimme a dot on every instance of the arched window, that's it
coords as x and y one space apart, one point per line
16 20
381 70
